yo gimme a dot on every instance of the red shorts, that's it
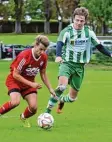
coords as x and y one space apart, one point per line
15 86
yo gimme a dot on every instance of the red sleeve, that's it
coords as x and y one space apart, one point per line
45 61
19 63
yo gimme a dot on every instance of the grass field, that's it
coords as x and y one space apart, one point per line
89 119
25 39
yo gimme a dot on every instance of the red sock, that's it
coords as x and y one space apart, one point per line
28 113
5 108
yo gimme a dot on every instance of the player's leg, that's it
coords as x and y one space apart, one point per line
75 83
32 105
71 97
64 74
30 109
63 81
14 93
14 101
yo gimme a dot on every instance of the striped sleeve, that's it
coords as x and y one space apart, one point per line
63 35
94 39
21 64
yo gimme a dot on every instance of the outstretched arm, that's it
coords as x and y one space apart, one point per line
46 81
103 50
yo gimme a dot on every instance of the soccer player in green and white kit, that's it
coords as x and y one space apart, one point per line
73 52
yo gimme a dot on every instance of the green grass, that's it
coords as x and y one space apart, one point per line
89 119
25 39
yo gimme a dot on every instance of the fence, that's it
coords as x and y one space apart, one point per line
16 51
13 53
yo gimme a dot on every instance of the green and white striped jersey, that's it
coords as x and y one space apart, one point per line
77 44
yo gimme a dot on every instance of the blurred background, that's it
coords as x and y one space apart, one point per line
31 17
50 16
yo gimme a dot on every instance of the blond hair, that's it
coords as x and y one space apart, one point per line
42 39
81 11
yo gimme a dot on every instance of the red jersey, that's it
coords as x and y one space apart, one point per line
28 65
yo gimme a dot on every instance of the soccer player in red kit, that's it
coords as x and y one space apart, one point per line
21 80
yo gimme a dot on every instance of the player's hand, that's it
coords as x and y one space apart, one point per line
58 60
52 92
36 85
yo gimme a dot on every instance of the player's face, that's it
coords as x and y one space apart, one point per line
39 49
79 22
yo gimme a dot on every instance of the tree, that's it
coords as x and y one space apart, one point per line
34 8
18 15
47 13
65 9
59 15
4 10
4 13
100 12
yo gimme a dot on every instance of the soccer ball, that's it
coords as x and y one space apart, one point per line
45 120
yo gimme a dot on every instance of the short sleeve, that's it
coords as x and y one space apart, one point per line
95 41
19 63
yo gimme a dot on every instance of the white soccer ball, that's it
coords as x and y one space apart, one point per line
45 120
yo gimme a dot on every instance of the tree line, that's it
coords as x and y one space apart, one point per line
61 10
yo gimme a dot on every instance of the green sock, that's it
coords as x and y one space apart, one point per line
67 99
52 101
48 110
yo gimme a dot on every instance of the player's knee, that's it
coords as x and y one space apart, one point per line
72 99
33 109
15 103
61 87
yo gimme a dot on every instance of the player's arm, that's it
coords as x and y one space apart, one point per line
98 45
103 50
59 48
18 77
60 43
46 81
59 51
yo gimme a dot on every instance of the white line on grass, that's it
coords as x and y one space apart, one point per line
6 116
